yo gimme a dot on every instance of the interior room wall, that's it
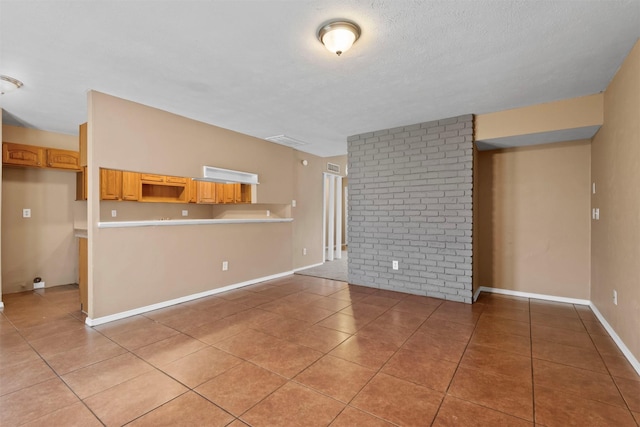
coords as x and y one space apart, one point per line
615 243
163 263
43 245
534 219
570 113
307 215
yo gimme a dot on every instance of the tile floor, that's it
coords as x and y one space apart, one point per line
304 351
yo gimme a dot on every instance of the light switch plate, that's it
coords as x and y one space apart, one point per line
26 213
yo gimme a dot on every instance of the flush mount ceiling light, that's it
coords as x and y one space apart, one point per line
339 36
7 84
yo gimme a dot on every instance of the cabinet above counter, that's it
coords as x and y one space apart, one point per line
39 157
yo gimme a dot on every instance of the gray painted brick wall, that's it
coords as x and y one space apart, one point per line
410 199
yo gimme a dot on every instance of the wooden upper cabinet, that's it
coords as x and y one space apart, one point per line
81 184
110 184
192 187
39 157
206 192
149 178
245 193
220 192
230 193
22 155
175 180
131 186
63 159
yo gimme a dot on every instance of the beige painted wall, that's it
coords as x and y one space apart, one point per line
534 216
615 250
475 267
43 245
163 263
565 114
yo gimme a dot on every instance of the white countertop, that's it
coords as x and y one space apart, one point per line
170 222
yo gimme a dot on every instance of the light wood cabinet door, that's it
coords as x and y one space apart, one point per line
130 186
192 187
110 184
245 193
206 192
151 178
83 274
175 180
22 155
229 193
63 159
81 184
219 192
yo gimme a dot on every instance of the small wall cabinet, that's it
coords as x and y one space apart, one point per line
39 157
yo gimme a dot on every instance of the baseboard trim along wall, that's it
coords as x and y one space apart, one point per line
614 336
623 348
308 266
124 314
530 295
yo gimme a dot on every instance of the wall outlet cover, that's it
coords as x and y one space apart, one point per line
38 285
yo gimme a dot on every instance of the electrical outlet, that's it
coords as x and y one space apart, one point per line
185 212
394 264
38 285
225 265
114 213
268 212
26 213
304 251
615 297
293 203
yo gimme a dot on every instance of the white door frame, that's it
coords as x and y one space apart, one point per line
331 217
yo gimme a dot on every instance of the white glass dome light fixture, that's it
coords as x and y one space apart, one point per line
7 84
339 36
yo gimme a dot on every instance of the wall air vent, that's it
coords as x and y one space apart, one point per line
286 140
332 167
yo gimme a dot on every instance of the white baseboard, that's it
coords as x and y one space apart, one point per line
623 348
124 314
614 336
531 295
308 266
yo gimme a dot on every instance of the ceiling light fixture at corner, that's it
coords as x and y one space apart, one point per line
7 84
339 36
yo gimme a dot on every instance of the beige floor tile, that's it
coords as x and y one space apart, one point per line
100 376
131 399
200 366
189 409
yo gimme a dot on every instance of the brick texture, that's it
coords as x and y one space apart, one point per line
410 200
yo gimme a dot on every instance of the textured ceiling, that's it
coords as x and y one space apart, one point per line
256 66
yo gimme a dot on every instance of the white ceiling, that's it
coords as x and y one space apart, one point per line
256 66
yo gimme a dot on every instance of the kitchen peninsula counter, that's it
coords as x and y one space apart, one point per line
173 222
